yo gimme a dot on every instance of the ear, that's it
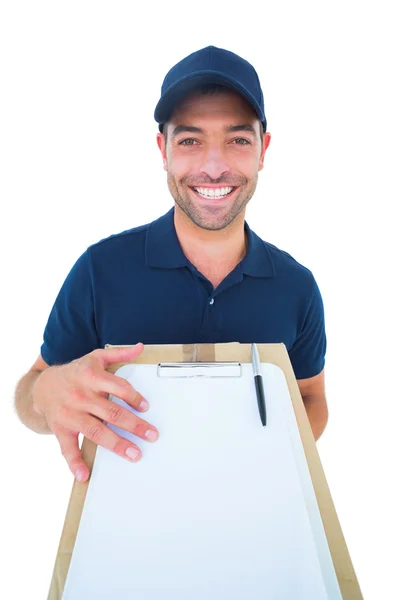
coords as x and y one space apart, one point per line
266 141
162 146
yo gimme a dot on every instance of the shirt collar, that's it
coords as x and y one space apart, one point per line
163 249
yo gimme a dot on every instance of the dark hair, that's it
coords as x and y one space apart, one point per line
208 89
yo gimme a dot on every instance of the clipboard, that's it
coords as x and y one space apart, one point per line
171 361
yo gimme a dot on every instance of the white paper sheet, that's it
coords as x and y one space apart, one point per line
219 507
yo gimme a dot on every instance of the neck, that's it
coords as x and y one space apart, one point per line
209 247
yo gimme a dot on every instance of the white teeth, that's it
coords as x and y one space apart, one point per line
213 193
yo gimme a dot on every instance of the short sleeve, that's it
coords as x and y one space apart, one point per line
70 331
307 354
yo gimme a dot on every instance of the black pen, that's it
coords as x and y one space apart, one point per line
258 380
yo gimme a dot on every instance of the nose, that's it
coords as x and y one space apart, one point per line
214 163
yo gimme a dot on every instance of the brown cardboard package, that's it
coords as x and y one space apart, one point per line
273 353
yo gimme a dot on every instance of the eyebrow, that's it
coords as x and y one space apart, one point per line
227 129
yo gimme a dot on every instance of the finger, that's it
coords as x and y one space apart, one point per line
111 356
102 435
121 388
69 445
121 417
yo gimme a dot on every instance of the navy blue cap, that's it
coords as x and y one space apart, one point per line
210 65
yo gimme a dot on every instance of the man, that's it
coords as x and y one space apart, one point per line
197 274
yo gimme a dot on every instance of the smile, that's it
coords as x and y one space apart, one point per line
214 193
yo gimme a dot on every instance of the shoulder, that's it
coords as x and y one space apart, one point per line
296 281
288 268
125 248
129 237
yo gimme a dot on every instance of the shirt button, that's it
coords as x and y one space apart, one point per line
212 301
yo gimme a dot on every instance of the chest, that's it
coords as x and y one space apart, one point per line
215 274
216 278
177 306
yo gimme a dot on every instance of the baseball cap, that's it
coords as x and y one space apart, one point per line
210 65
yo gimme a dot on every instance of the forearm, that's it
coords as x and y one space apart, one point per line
317 413
24 403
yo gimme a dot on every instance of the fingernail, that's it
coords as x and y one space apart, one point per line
80 474
151 435
144 405
132 453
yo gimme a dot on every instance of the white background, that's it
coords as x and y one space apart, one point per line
79 161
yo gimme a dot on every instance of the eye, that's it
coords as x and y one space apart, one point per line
246 142
183 142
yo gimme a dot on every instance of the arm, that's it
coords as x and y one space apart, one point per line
24 398
69 334
312 391
72 398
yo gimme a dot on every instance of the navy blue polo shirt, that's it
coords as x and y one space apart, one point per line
138 286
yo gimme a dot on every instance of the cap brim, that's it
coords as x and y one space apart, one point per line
181 88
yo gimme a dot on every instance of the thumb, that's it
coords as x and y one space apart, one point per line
69 445
111 356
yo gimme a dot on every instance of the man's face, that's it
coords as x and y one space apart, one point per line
212 163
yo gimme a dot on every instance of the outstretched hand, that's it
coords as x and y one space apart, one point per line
73 398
